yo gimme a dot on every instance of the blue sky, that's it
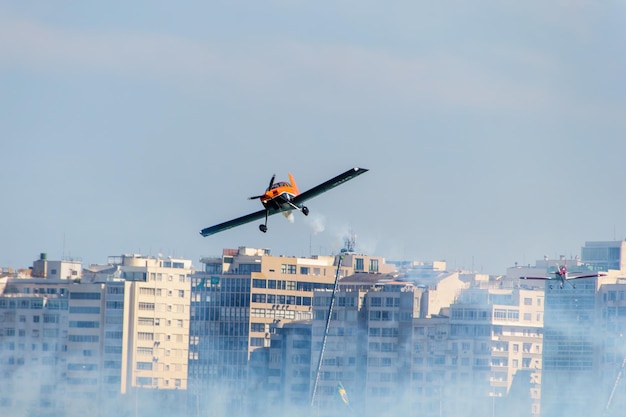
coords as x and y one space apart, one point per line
493 131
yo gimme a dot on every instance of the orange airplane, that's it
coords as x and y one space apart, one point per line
283 197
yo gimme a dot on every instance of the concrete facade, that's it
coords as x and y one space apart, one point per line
238 300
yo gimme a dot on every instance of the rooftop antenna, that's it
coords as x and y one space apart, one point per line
350 242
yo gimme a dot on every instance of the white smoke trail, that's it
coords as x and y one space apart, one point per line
289 216
317 223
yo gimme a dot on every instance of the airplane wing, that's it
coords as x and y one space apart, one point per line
585 276
236 222
332 183
543 278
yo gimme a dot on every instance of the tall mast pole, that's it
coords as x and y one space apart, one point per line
330 313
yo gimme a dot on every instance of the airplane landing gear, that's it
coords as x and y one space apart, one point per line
263 227
305 210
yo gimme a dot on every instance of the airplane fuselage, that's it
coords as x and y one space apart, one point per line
280 201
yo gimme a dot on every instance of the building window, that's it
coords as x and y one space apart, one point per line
146 321
288 268
115 305
143 381
257 327
144 351
85 310
358 264
259 283
144 366
85 324
499 314
258 298
146 306
147 291
84 296
115 290
256 341
81 338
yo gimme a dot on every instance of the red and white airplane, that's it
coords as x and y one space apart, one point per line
283 197
562 275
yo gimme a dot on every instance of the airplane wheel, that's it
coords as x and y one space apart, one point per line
305 210
263 228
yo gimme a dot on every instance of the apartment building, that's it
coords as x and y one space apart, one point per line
288 386
81 339
238 299
465 364
50 346
147 318
341 354
605 255
368 348
362 352
583 347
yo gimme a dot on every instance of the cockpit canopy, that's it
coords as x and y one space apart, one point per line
280 184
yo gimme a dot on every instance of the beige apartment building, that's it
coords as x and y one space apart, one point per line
71 340
368 347
479 358
237 302
466 364
147 319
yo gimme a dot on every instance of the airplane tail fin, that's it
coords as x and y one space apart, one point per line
293 184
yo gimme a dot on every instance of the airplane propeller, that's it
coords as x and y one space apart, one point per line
269 187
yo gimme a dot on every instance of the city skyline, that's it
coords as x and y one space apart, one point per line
411 337
493 132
